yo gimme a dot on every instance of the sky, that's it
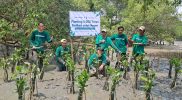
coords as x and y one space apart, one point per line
179 10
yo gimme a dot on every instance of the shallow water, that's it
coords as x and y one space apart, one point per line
162 82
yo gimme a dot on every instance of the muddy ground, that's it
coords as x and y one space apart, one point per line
54 86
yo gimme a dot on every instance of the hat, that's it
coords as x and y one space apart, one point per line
142 28
104 30
62 40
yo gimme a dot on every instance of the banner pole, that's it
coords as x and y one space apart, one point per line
71 41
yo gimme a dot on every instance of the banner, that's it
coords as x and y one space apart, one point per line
84 23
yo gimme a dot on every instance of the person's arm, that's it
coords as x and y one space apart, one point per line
90 61
145 41
112 37
104 61
32 39
132 40
112 44
57 52
48 38
126 40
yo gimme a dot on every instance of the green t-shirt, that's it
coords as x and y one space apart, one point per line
133 35
37 39
96 58
121 41
139 49
60 51
108 42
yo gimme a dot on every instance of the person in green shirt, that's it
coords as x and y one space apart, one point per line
39 37
38 40
139 41
121 42
96 59
135 31
103 41
60 51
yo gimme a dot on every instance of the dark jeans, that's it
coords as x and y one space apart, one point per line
137 55
61 66
40 58
120 57
138 60
40 63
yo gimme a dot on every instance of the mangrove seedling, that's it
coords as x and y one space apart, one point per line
20 77
16 57
40 65
81 82
171 64
177 65
145 62
71 72
33 80
112 54
84 48
125 65
108 51
96 64
106 83
138 66
148 83
115 79
4 63
91 50
47 58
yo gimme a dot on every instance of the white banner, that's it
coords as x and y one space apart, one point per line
84 23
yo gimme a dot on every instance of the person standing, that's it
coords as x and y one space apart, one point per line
121 42
38 40
139 41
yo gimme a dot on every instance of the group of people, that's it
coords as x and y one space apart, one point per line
38 40
118 41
